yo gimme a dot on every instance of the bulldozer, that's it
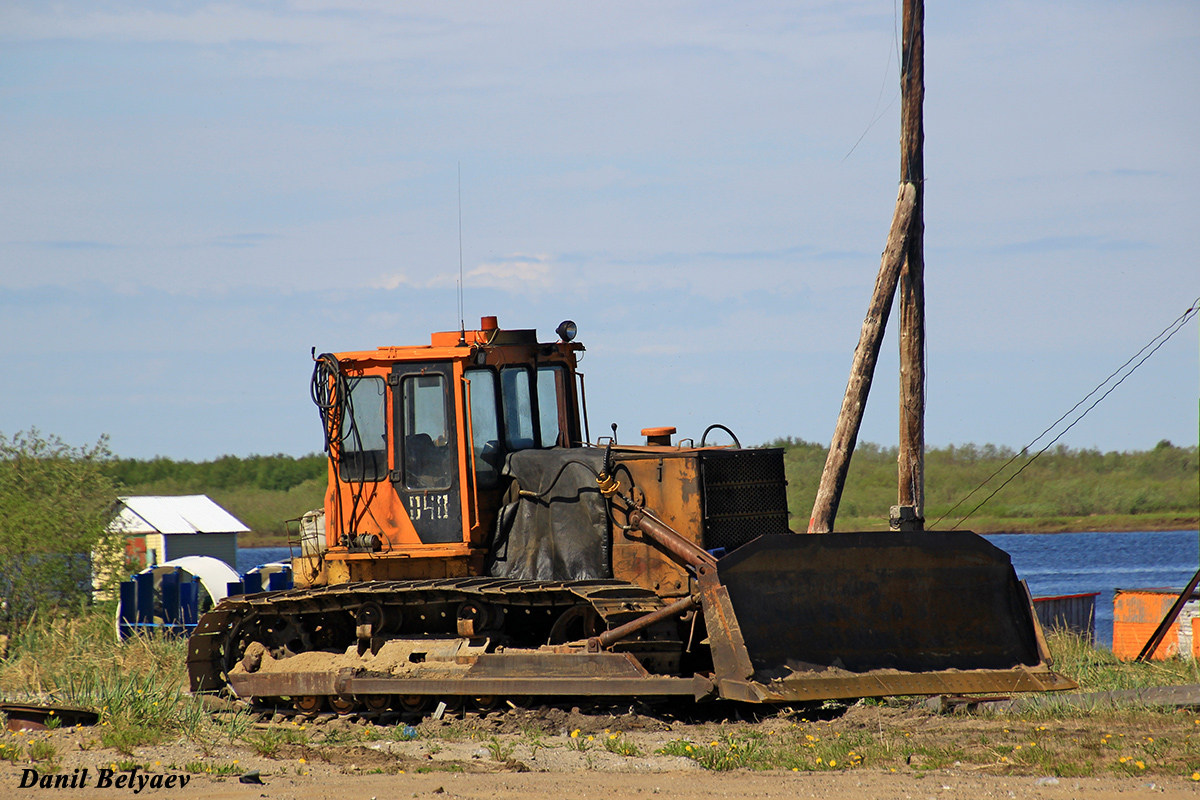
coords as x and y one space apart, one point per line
479 548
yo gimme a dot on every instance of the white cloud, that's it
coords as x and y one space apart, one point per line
396 280
519 271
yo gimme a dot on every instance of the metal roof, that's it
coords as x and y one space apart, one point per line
194 513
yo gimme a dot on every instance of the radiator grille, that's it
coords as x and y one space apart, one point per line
745 496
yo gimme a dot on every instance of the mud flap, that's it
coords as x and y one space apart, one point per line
870 614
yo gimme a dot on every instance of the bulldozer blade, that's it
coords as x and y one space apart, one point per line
871 614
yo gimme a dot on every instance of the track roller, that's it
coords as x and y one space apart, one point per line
377 702
309 704
414 703
486 702
342 706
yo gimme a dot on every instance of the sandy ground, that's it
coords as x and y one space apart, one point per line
520 755
679 785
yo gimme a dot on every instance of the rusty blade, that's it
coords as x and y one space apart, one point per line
913 602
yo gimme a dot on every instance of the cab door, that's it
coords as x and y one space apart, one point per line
426 449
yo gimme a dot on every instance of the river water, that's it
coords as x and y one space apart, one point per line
1052 563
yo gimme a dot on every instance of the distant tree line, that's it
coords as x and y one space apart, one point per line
1062 483
276 473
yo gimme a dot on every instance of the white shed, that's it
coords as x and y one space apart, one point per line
160 529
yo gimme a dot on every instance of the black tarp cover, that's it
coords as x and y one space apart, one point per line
561 535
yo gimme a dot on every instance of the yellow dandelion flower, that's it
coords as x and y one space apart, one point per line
714 744
612 736
1123 759
303 761
818 759
575 733
1196 776
591 738
1140 764
832 763
689 748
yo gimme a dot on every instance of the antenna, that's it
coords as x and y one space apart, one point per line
462 325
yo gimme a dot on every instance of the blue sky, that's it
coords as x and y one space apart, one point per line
193 195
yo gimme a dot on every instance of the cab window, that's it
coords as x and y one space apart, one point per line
552 406
364 432
518 408
428 461
485 426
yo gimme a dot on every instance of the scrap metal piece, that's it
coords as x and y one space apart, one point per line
37 717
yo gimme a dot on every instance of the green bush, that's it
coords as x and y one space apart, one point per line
55 505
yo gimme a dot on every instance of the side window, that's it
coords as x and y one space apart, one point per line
485 425
518 408
364 432
552 404
428 462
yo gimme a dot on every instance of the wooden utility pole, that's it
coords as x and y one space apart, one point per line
845 434
911 468
903 263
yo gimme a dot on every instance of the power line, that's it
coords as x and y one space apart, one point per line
1153 345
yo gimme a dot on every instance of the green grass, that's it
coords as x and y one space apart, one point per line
138 686
500 751
580 742
11 751
619 744
201 768
268 742
801 749
1129 743
1098 670
42 750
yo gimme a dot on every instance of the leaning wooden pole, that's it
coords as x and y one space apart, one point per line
910 515
845 434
